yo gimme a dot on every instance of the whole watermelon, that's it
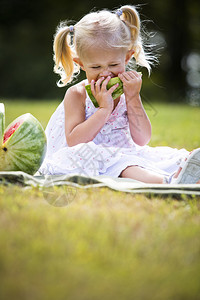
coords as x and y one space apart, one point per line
22 145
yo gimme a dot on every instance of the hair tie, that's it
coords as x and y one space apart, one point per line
119 12
71 28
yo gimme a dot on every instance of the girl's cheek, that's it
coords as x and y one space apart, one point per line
121 70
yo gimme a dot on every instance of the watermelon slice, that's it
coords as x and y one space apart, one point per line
117 92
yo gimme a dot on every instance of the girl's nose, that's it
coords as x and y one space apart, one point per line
105 73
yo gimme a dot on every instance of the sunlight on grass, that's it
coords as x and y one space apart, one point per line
42 110
175 125
104 244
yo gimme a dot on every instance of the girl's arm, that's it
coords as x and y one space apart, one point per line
77 129
139 123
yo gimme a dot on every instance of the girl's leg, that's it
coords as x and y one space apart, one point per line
141 174
191 171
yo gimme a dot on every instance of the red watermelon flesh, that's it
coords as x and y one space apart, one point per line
11 130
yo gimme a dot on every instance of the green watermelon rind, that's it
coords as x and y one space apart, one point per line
94 101
26 147
2 122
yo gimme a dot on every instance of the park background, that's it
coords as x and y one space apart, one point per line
26 38
104 244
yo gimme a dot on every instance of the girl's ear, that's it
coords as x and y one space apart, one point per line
129 55
79 62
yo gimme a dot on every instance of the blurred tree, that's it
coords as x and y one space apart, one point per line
179 23
178 41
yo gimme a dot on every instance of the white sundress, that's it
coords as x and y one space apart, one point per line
109 153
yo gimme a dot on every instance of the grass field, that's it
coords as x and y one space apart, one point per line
104 244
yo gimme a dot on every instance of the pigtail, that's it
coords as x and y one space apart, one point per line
63 55
131 18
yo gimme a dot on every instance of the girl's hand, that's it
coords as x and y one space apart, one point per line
132 83
102 95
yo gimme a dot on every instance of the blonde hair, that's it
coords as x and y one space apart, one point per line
118 29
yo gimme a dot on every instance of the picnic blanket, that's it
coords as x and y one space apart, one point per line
77 181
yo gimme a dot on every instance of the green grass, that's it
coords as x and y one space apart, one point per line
176 126
173 125
105 244
42 110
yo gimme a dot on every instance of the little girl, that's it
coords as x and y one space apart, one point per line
111 139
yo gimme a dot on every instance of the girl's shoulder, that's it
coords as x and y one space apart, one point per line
76 92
